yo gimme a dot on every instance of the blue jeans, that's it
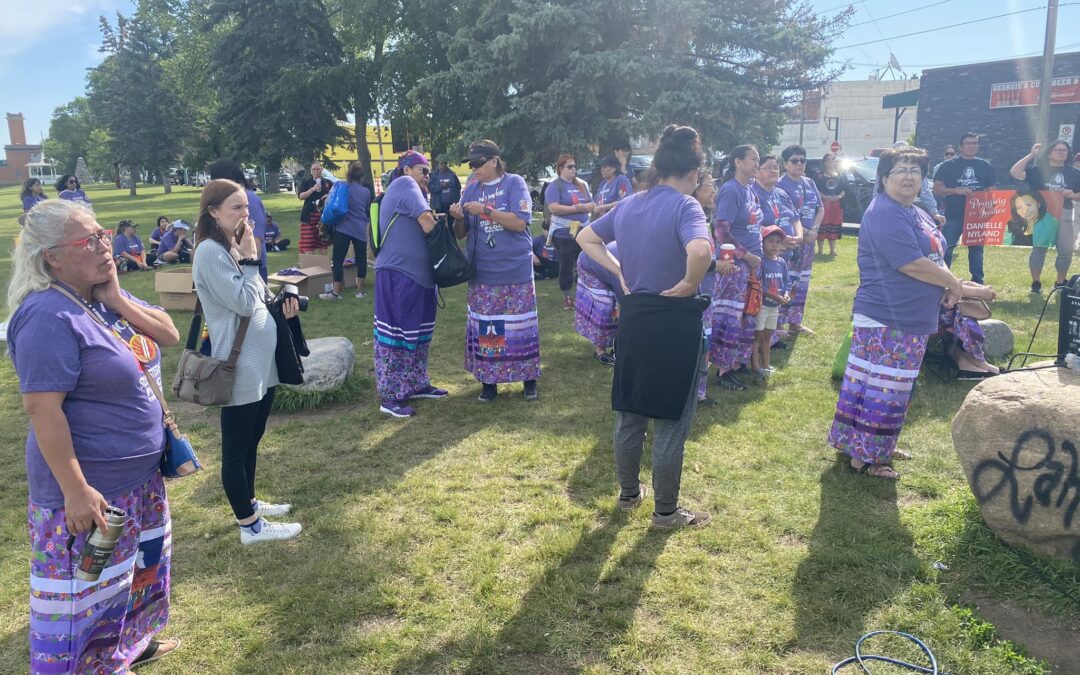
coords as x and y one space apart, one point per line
953 229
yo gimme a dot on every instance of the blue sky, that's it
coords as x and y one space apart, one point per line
46 47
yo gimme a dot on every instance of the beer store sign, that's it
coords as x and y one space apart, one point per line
1026 93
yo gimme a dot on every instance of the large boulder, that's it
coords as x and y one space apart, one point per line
328 366
1017 435
999 339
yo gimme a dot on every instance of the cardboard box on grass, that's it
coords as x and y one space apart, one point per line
309 282
322 259
176 288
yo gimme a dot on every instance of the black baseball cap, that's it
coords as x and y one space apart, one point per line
484 149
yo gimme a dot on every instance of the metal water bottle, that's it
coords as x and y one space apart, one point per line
100 546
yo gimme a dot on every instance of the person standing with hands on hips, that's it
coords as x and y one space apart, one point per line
313 192
502 336
956 179
227 280
664 251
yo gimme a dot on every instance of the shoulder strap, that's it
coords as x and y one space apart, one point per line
166 413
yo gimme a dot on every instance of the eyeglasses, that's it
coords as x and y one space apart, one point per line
950 154
477 163
907 172
93 243
797 160
570 166
72 182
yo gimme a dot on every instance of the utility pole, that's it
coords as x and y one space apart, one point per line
802 117
1043 133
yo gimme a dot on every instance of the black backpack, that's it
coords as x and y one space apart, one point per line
448 263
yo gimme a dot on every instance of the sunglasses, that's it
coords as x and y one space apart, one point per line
950 154
570 166
72 182
425 171
92 243
797 160
477 163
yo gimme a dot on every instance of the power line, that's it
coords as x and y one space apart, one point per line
1058 50
843 6
955 25
906 11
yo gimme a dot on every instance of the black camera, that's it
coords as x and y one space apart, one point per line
291 291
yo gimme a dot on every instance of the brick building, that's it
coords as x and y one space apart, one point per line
995 100
18 153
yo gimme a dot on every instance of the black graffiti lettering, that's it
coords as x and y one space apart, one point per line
1056 477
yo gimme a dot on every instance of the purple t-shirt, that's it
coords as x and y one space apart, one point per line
75 196
773 275
500 256
770 209
156 234
357 220
613 190
115 419
122 244
257 214
168 241
653 229
738 205
559 191
272 233
891 236
403 246
804 195
610 281
29 201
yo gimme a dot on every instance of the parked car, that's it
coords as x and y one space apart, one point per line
861 175
285 181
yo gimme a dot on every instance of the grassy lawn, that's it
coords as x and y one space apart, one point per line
484 539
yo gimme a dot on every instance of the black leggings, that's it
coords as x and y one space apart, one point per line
341 249
242 428
568 250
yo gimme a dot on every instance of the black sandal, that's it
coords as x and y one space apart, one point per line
153 652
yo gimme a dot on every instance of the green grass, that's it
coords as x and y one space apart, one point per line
483 539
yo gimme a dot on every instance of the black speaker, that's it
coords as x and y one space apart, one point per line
1069 323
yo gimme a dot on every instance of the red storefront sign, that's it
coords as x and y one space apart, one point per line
1026 93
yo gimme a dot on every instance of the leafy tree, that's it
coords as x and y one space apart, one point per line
571 75
133 100
69 134
271 65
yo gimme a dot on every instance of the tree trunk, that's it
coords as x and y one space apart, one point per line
134 179
116 174
363 150
273 182
166 179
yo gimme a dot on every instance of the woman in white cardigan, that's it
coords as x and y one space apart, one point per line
226 271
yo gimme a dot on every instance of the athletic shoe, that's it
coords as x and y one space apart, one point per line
265 509
1061 284
330 296
605 358
681 518
270 532
1036 287
397 409
778 345
360 295
530 391
488 393
631 503
430 392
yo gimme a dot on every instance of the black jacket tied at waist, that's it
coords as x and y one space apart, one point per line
659 343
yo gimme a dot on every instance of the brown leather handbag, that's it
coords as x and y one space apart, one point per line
203 379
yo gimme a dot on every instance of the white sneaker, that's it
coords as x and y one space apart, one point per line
330 296
270 532
265 509
361 295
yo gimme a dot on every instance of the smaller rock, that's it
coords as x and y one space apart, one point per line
999 338
328 366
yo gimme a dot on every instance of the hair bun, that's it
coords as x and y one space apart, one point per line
678 135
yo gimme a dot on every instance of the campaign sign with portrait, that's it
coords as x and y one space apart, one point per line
990 216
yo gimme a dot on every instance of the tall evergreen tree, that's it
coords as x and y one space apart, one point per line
571 75
272 68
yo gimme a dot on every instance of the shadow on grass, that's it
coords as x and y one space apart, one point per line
587 599
860 556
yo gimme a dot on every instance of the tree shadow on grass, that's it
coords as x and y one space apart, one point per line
859 557
14 647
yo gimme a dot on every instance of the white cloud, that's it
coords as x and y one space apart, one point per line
24 25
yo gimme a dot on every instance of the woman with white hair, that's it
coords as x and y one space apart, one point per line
74 334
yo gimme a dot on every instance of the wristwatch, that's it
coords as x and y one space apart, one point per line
487 209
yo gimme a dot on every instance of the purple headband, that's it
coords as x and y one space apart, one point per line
413 158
